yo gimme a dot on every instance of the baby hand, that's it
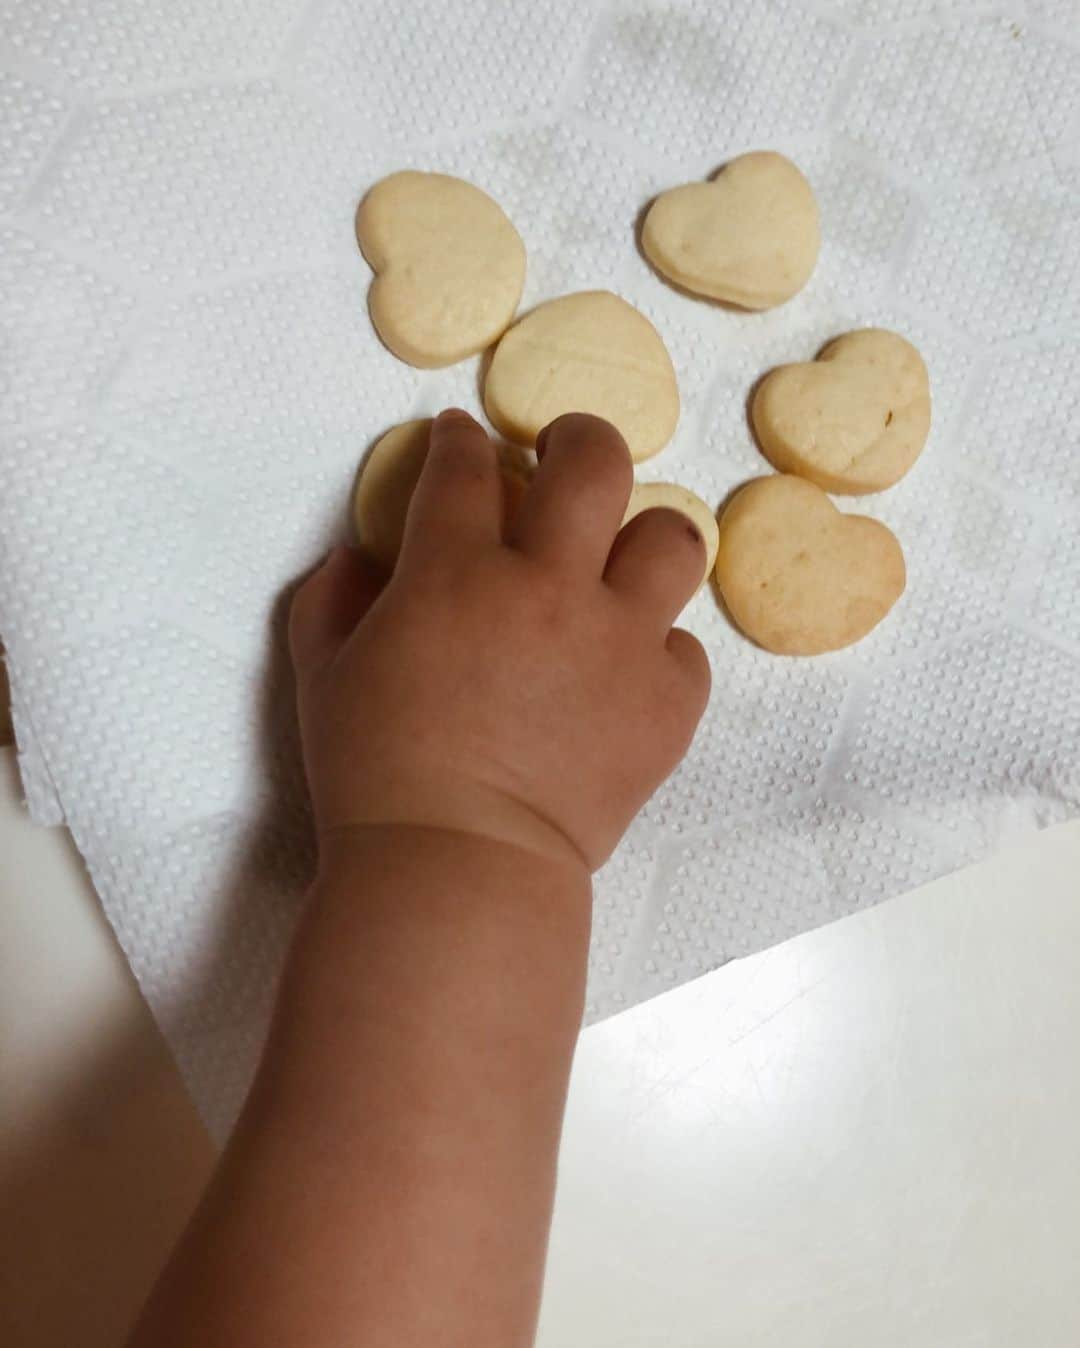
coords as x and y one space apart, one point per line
521 679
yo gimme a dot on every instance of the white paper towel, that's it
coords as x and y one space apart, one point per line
188 378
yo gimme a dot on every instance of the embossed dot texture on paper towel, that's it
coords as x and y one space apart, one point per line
188 379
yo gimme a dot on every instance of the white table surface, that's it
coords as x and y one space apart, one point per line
866 1136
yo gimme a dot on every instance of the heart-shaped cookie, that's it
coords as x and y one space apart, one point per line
797 575
670 496
449 266
587 352
750 236
854 420
389 477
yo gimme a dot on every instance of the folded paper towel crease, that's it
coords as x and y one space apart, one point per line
188 380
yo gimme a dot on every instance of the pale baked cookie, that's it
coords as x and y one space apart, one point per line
670 496
449 266
854 420
385 487
750 236
389 477
799 577
587 352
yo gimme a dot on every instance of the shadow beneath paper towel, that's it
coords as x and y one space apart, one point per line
96 1187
